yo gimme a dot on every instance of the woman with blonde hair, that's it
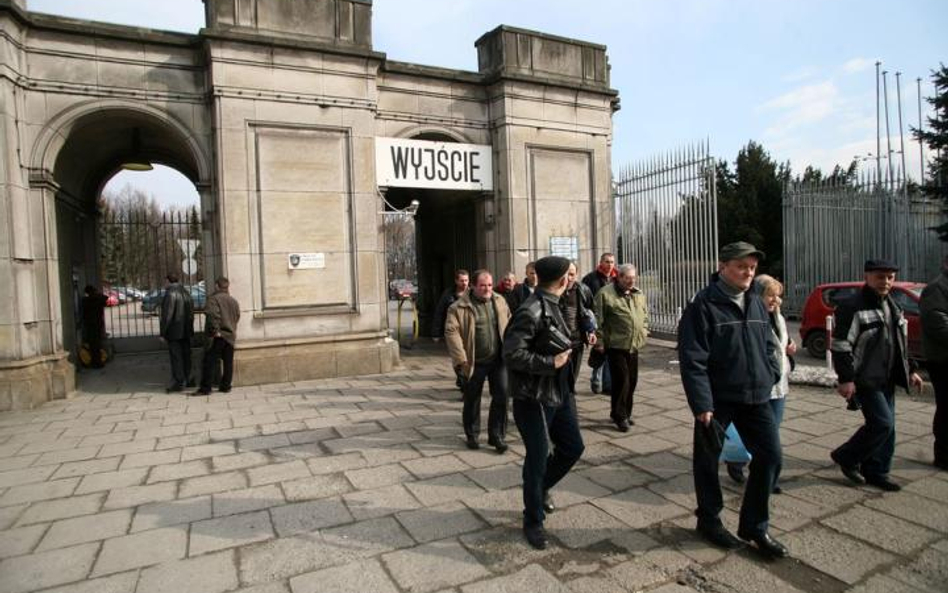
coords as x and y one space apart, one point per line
734 454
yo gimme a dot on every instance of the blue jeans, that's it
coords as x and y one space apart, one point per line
601 379
756 423
872 446
540 427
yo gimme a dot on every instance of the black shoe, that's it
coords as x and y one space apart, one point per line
777 489
224 389
850 471
941 463
884 483
768 546
720 537
548 506
736 471
498 444
174 389
192 383
536 537
631 422
472 443
623 425
202 391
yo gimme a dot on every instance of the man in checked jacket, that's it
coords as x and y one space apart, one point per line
870 358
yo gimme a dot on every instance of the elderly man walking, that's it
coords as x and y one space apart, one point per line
622 319
728 368
474 333
870 357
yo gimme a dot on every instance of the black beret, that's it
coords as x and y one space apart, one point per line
873 265
551 268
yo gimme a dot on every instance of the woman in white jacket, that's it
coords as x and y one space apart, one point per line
734 453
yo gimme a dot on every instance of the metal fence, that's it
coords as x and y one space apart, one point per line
666 210
831 227
136 250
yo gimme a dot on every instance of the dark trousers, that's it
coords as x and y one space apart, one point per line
540 427
496 374
180 353
938 373
218 350
94 339
576 363
756 425
624 366
872 446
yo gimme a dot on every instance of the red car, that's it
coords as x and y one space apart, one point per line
824 298
111 298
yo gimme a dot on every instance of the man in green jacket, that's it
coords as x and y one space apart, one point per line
622 319
934 309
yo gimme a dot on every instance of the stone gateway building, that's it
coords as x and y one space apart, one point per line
298 136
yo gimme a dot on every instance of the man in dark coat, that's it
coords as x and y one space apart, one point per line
728 369
934 315
521 292
93 323
176 329
600 380
221 315
536 351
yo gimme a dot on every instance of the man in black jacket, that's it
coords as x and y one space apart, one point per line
176 329
728 368
600 380
870 358
536 351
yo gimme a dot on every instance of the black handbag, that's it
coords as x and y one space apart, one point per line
597 358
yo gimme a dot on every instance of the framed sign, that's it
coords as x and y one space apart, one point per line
436 165
567 247
306 261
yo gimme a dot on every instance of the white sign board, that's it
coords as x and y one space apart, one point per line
436 165
567 247
306 261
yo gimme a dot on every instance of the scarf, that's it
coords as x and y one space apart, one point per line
601 268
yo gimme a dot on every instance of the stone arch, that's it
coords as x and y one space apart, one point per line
428 131
56 133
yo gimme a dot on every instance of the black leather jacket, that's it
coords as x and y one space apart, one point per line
529 354
177 313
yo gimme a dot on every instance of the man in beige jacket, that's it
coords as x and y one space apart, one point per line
474 335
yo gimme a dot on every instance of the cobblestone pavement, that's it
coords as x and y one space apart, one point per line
365 485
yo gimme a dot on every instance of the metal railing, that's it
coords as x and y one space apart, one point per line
666 209
135 251
831 227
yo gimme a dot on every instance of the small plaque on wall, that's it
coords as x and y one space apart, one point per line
567 247
306 261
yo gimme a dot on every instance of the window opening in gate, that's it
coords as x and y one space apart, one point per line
149 225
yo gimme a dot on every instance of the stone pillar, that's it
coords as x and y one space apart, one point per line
553 177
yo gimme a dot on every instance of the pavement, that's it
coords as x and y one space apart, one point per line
364 485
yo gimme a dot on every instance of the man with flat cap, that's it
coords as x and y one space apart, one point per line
728 369
537 353
870 359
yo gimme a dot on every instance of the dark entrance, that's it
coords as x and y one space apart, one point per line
446 238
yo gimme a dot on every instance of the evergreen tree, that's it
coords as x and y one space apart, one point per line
936 186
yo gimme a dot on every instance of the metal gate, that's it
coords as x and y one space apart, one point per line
666 211
831 227
135 251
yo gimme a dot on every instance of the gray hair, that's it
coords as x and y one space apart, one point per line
625 269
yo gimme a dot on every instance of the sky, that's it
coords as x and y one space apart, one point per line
797 76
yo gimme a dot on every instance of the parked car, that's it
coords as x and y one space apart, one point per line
825 297
130 292
111 298
151 302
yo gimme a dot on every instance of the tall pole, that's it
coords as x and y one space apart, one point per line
888 138
921 145
878 132
898 94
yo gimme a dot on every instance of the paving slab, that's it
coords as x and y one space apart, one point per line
211 573
141 549
434 566
357 577
841 557
47 569
212 535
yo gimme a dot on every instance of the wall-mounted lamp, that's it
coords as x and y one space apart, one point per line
411 209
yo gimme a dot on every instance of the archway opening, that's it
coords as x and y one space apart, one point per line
120 231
